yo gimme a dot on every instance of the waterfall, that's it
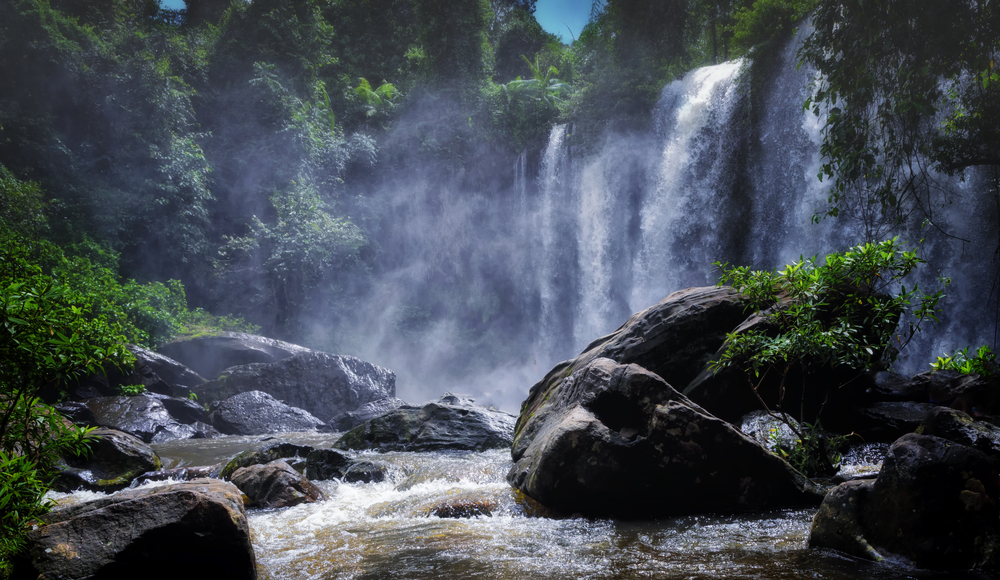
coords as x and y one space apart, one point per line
719 178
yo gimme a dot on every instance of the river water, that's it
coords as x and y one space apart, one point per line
395 529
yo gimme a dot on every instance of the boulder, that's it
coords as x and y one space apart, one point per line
366 472
276 485
954 425
258 413
674 339
322 384
196 528
77 412
182 409
116 459
266 454
154 366
890 420
323 464
210 355
617 440
934 504
452 422
351 419
145 416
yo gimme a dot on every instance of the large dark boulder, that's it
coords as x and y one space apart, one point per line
210 355
195 530
323 384
258 413
934 503
144 416
116 459
452 422
276 485
617 440
351 419
159 374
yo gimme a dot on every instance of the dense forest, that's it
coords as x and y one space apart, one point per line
237 158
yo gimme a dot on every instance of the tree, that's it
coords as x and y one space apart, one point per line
836 319
908 88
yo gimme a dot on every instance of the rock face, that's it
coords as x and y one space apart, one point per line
144 416
452 422
210 355
276 484
323 384
351 419
617 440
194 529
117 459
258 413
934 503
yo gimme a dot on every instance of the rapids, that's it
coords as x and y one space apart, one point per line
391 530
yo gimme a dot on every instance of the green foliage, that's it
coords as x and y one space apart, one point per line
982 363
766 21
814 453
906 88
835 319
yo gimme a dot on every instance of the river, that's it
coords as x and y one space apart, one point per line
389 530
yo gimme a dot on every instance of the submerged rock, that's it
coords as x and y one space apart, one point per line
258 413
210 355
617 440
322 384
276 484
934 503
116 459
452 422
194 529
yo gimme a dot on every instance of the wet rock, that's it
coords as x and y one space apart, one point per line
769 431
463 506
276 485
210 355
77 412
258 413
617 440
888 421
182 409
837 523
264 455
934 504
116 459
323 464
452 422
144 416
149 364
954 425
322 384
366 472
351 419
197 528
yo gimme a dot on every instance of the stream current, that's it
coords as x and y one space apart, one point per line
390 530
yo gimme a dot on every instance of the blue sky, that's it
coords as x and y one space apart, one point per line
554 15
